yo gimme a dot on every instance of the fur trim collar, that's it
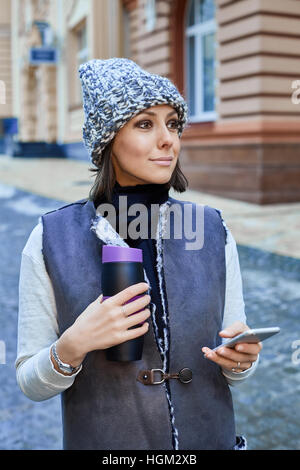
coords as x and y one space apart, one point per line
105 232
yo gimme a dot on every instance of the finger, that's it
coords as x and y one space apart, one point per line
233 330
137 318
244 366
236 356
249 348
134 306
126 294
99 299
224 362
136 332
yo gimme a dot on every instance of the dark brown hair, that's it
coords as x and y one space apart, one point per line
105 177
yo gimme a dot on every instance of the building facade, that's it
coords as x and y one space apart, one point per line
6 107
236 63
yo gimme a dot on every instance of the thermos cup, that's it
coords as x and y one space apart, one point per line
121 268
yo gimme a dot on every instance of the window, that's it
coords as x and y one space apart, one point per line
200 54
150 13
82 51
126 33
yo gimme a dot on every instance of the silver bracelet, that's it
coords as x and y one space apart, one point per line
61 365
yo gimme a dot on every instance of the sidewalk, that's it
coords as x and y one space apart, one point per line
274 228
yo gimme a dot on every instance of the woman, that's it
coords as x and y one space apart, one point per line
133 119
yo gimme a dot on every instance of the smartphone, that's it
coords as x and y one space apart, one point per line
250 336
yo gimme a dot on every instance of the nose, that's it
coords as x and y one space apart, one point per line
164 136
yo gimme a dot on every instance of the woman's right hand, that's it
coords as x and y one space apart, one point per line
103 324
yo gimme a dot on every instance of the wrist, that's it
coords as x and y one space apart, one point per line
68 349
59 365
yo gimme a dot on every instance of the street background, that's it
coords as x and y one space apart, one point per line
237 65
267 405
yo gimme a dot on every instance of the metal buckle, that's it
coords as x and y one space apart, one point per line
152 376
185 375
146 377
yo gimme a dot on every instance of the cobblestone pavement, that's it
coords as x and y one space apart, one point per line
267 406
24 424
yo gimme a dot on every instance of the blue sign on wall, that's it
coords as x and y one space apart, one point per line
42 55
10 126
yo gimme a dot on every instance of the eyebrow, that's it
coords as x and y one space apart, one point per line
154 114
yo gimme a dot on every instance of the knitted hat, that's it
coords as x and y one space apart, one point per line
114 91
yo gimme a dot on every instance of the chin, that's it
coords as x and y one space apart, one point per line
161 179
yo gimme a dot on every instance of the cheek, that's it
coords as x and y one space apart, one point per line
176 146
136 148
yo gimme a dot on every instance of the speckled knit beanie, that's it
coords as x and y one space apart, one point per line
114 91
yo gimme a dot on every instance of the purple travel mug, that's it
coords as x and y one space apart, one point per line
122 267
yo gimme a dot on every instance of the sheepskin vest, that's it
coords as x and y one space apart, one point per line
107 407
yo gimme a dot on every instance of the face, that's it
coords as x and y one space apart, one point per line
147 137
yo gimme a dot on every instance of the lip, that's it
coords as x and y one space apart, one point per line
163 161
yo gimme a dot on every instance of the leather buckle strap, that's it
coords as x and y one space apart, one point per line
147 376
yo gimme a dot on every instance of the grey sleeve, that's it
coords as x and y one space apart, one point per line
234 303
37 326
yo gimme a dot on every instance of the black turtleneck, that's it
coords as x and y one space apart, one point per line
146 194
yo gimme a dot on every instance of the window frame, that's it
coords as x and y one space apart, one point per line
82 54
199 30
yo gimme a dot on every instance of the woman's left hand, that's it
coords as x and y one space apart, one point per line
240 357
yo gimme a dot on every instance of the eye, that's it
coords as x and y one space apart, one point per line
176 123
142 124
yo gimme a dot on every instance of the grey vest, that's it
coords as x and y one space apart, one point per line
106 407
